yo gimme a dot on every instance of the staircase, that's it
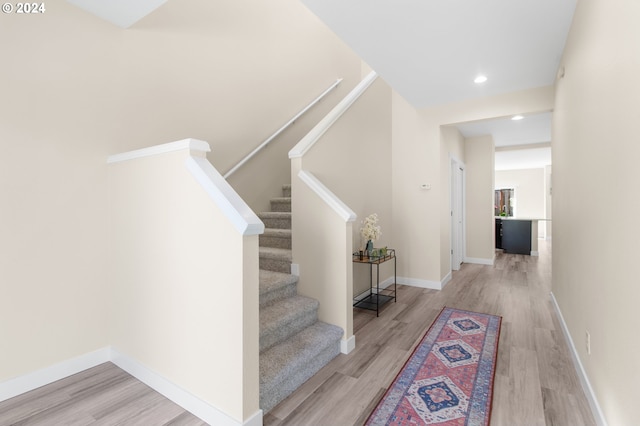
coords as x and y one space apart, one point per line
294 345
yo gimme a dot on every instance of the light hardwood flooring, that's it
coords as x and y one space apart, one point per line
101 396
535 382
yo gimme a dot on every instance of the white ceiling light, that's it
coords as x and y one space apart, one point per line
480 79
517 117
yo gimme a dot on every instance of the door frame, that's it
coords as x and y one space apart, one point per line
457 218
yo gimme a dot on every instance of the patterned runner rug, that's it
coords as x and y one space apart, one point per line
448 380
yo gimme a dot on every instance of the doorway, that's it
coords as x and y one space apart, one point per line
457 214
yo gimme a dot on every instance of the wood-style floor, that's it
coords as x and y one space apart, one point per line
101 396
535 381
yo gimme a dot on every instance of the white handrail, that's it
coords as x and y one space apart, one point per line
325 124
327 196
280 130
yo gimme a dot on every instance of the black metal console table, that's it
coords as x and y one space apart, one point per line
374 301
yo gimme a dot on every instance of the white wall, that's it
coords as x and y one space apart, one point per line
529 185
595 241
53 148
452 146
479 178
78 89
417 159
353 160
184 283
548 194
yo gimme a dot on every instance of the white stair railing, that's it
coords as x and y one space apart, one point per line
280 130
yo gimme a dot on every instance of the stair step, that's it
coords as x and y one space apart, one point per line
286 190
278 238
281 204
281 320
275 286
286 366
278 220
275 259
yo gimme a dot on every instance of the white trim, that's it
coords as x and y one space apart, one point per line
316 133
30 381
455 161
416 282
327 196
203 410
295 269
190 144
347 345
446 279
480 260
280 130
383 285
535 253
598 415
175 393
225 197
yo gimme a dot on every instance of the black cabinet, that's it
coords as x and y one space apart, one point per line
498 233
516 236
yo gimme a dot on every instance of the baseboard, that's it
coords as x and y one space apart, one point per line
347 345
479 261
28 382
446 279
295 269
415 282
175 393
598 415
191 403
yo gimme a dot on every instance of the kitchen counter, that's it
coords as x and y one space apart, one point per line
517 235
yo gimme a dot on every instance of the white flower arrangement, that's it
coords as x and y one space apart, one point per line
370 230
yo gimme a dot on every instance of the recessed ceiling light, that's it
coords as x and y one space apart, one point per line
517 117
480 79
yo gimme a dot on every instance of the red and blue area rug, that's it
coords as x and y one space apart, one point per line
448 380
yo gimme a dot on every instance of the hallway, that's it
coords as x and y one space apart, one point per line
535 381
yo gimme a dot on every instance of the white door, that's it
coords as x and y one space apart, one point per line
457 214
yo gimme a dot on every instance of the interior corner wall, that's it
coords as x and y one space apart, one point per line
353 160
451 147
595 207
415 161
419 215
78 89
53 150
548 206
232 72
479 211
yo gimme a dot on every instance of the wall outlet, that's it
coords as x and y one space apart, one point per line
588 341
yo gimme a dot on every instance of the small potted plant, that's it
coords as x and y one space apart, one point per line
370 231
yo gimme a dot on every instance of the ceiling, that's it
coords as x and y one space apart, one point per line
122 13
520 144
430 51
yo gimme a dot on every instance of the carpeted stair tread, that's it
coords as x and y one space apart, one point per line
276 285
287 317
275 259
275 253
280 220
275 232
286 366
275 237
286 190
281 204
